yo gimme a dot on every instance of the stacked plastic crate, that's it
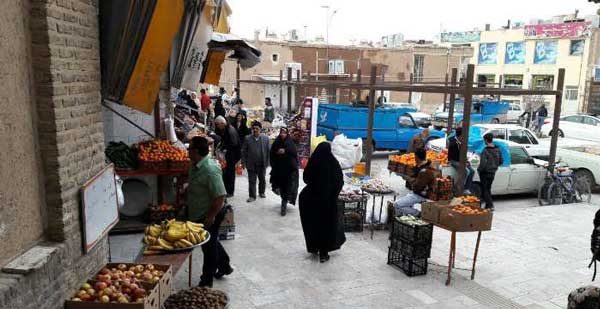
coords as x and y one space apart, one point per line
410 245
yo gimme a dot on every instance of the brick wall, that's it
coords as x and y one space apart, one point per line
66 65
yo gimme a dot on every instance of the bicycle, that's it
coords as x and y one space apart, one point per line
563 186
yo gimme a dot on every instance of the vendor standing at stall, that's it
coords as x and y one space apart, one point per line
205 200
419 184
230 145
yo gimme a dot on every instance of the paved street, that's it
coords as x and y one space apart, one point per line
533 258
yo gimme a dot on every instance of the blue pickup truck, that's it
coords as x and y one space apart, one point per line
482 112
393 127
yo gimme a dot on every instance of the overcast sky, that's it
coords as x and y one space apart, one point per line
372 19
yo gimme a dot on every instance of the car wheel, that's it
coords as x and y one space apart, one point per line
587 176
560 133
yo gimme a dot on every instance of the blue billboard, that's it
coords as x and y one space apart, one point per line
515 53
488 53
546 52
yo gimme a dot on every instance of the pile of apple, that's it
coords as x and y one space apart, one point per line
120 284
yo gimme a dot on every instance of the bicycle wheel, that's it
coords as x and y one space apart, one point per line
555 194
583 191
543 192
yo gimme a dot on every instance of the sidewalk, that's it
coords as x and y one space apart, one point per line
533 258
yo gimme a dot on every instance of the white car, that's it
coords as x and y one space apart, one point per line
584 161
583 127
522 176
510 132
514 112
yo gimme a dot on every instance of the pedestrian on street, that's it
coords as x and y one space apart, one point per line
490 160
269 110
284 169
542 113
255 158
230 146
454 159
322 220
419 141
205 200
241 126
205 101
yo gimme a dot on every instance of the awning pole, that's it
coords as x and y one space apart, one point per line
371 121
556 120
465 129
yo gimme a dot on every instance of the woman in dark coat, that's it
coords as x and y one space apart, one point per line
241 125
284 169
321 219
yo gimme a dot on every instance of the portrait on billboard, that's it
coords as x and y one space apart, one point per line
515 53
577 47
488 53
545 52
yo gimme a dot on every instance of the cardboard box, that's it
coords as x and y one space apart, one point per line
458 222
150 302
164 284
430 211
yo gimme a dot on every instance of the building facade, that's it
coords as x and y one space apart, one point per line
319 62
530 56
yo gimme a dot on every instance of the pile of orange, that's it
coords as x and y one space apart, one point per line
466 210
409 158
470 199
161 150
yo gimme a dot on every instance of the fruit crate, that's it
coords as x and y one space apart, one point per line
411 267
358 204
154 165
354 220
164 284
415 234
180 165
410 250
151 301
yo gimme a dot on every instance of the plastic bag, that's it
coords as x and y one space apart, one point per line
347 151
316 141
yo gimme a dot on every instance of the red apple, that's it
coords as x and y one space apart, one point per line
104 271
150 267
139 292
147 276
122 267
107 291
85 297
81 293
127 291
130 274
100 285
139 268
104 299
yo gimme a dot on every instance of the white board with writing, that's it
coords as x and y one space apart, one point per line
99 207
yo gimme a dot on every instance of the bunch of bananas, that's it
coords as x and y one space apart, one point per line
171 234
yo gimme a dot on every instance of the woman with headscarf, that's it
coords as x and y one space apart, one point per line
322 221
284 169
241 125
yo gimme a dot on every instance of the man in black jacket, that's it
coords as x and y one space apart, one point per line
491 159
231 146
454 159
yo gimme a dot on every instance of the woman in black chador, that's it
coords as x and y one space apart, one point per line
321 219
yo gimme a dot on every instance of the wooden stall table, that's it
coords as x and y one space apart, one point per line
452 254
175 259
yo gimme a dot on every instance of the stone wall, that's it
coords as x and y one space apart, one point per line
66 66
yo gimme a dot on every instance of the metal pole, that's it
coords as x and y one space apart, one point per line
557 111
452 102
371 119
358 80
465 128
410 92
280 89
289 90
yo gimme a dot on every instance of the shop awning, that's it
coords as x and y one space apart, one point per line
136 39
247 55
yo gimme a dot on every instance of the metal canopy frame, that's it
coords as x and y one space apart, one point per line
465 88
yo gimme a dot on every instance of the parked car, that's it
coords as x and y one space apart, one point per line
482 111
510 132
393 128
523 174
514 113
421 119
584 161
584 127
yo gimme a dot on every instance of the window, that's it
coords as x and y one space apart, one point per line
545 82
275 58
590 121
336 67
531 137
571 93
418 64
405 122
518 155
576 119
577 47
515 107
513 81
498 133
519 137
483 80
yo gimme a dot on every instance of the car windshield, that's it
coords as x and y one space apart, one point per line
518 155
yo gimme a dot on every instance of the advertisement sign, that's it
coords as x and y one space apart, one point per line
561 31
577 47
488 53
545 52
460 37
515 53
